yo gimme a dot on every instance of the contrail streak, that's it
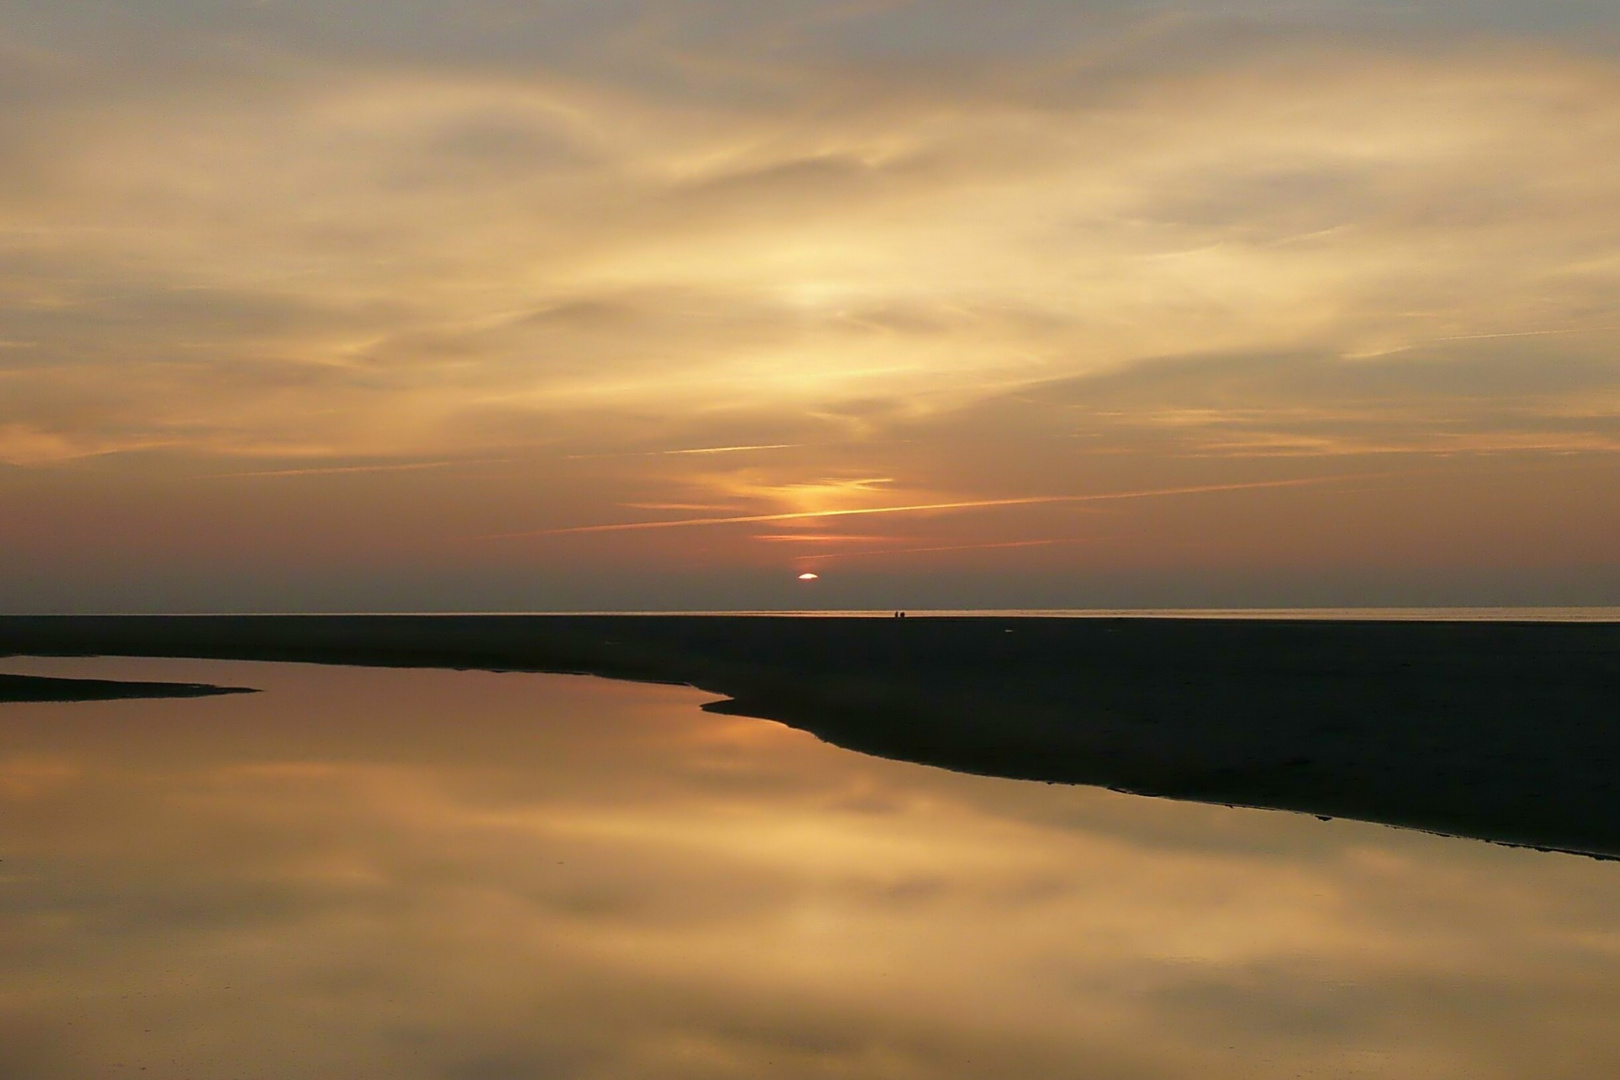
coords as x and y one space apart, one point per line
694 450
732 449
1525 333
966 504
329 469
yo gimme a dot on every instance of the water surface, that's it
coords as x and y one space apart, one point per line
393 873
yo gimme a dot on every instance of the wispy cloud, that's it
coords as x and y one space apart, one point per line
820 538
740 256
700 450
936 507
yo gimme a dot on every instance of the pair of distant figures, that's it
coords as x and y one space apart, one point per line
899 614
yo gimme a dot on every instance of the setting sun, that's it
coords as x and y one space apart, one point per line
414 419
539 318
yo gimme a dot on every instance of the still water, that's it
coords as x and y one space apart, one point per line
430 874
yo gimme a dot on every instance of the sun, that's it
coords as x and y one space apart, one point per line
809 577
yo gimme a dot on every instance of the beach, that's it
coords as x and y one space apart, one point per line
1495 730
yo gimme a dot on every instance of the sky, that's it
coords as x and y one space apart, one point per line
631 305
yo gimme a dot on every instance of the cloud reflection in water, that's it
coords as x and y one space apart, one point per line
365 873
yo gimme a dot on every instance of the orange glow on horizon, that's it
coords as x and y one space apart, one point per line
370 305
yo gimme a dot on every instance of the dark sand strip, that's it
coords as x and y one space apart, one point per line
39 688
1503 731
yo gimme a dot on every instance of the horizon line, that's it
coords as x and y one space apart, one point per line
1585 613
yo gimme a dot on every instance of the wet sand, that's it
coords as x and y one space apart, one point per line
1502 731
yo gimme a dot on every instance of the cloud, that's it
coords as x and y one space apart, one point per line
1064 249
436 244
1446 397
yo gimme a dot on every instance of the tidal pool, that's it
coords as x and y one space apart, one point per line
365 873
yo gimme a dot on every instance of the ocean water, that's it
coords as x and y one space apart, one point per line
1330 614
363 873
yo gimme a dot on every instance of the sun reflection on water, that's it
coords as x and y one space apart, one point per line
364 873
